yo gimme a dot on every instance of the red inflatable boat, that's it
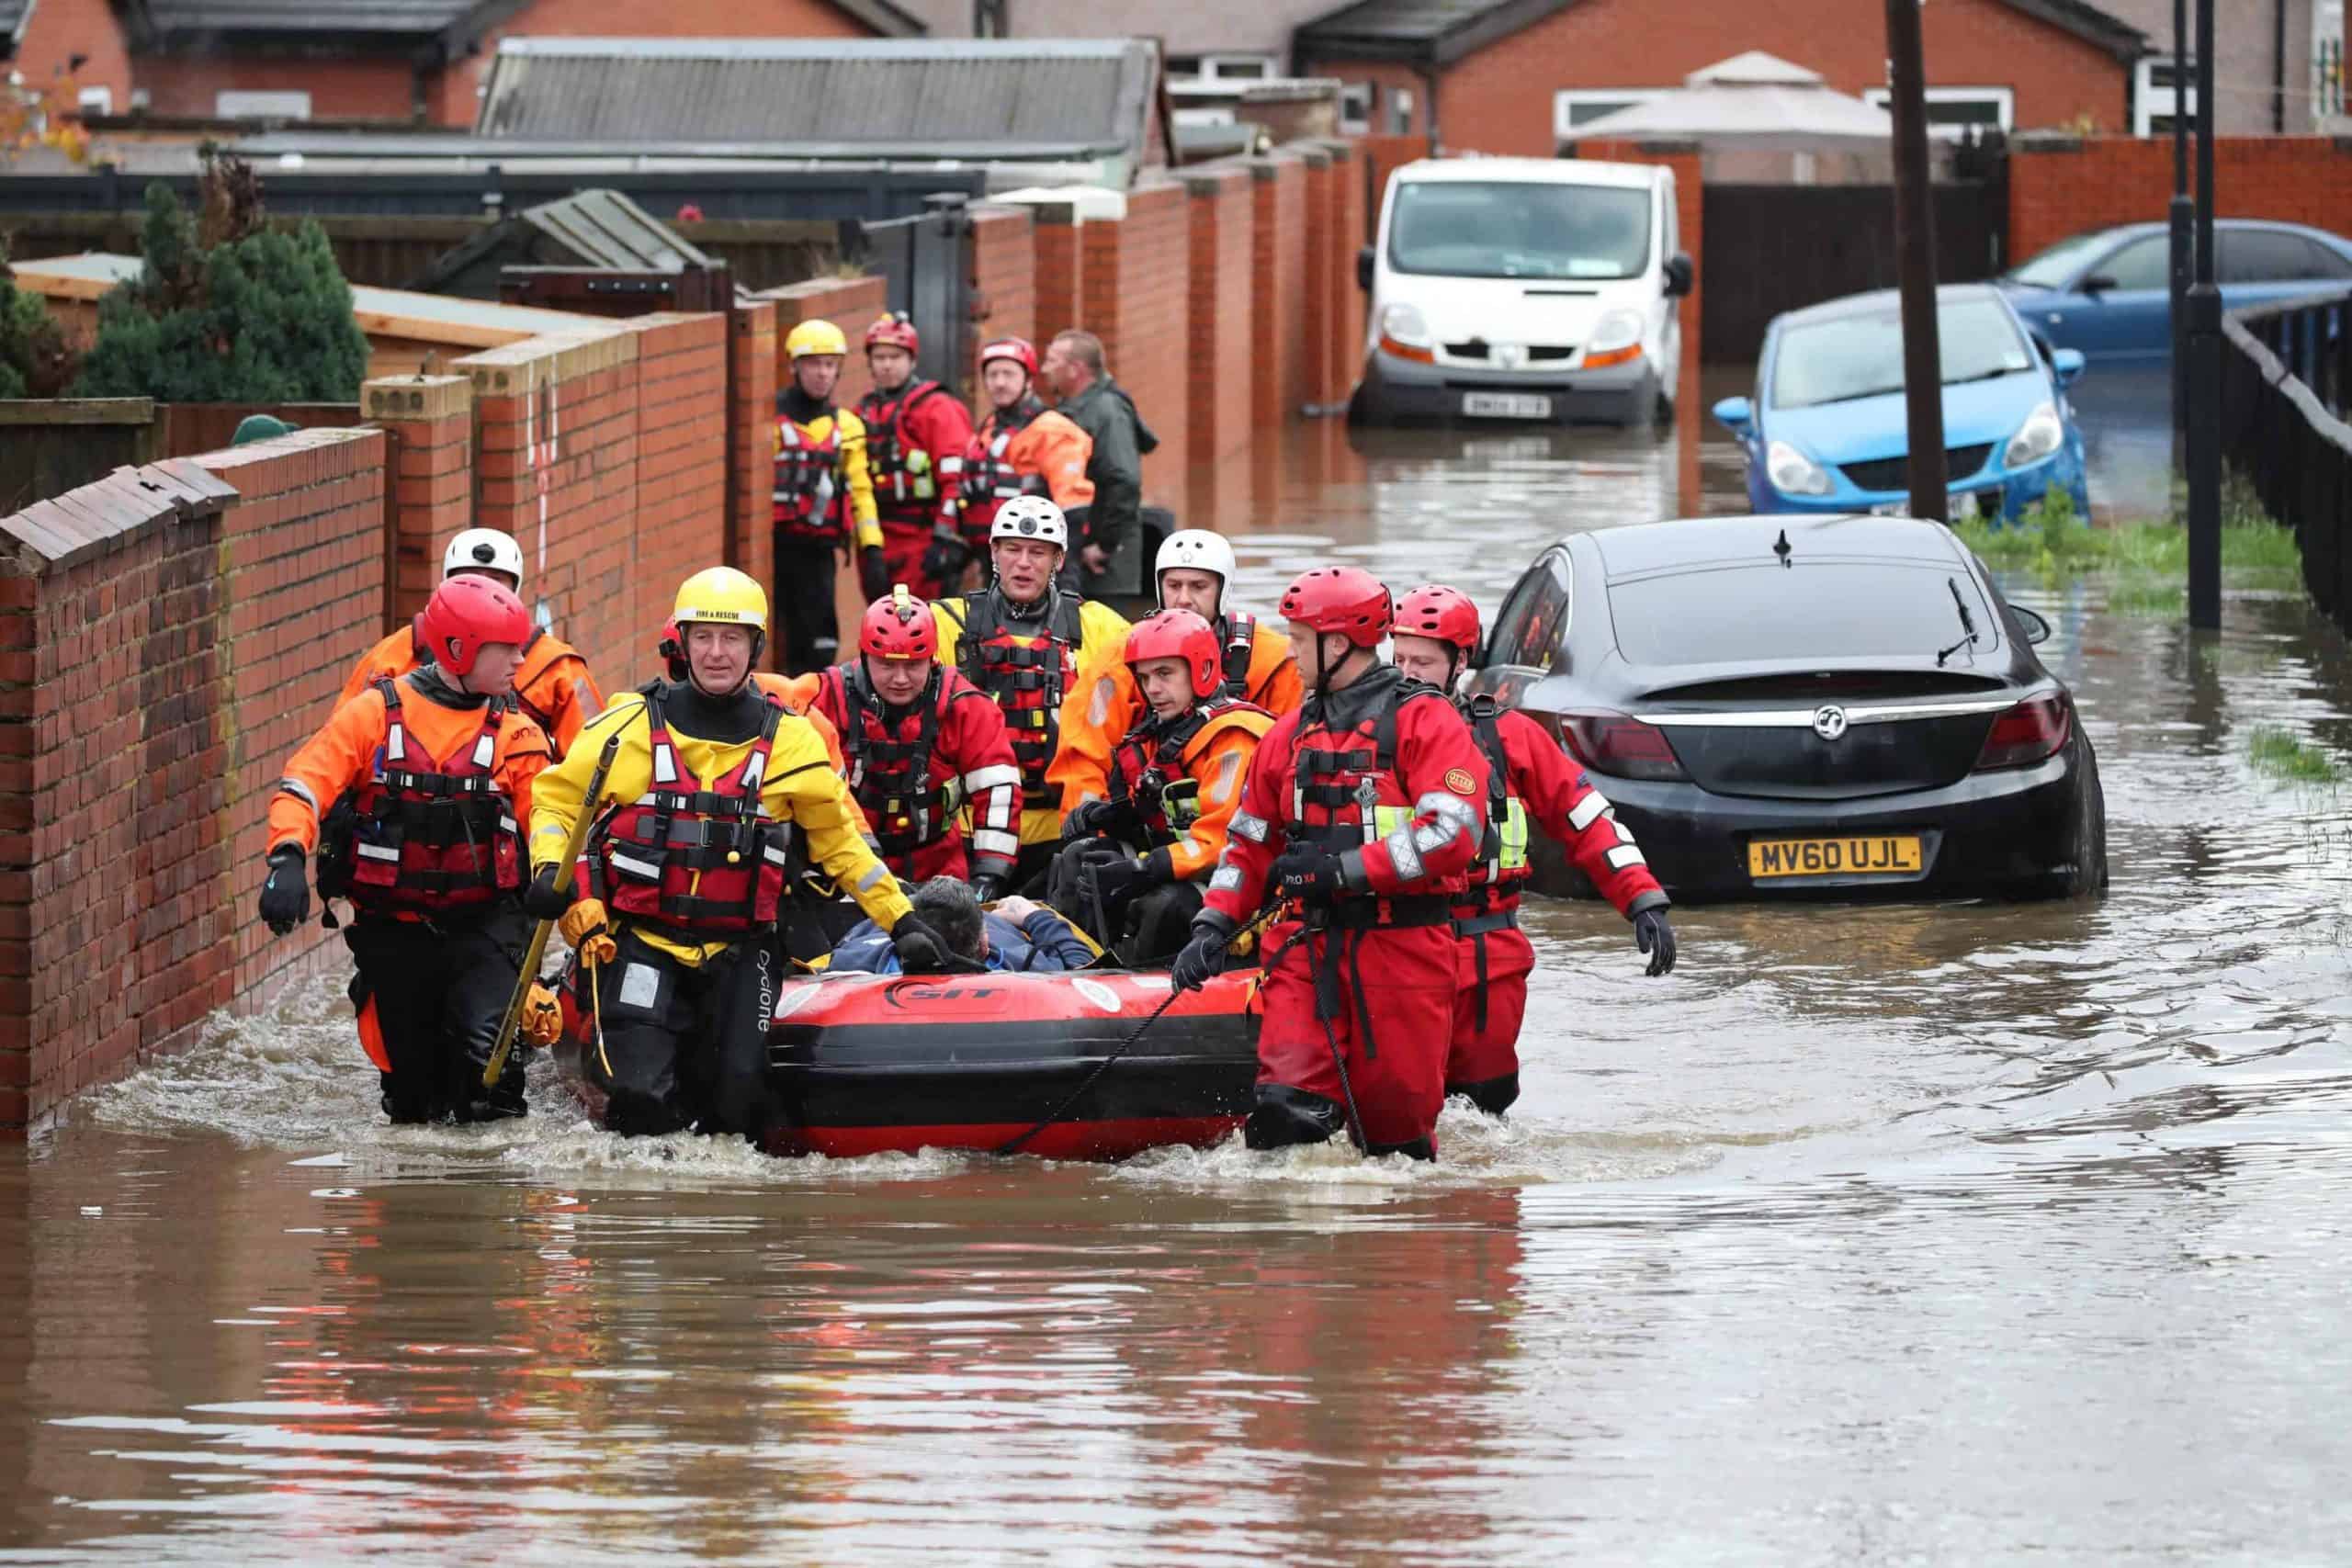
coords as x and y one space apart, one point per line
863 1064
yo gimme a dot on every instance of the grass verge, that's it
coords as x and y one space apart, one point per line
2283 754
2054 541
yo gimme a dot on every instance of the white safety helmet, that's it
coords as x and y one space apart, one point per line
1195 549
484 550
1031 517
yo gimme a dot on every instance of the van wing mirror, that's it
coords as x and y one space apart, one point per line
1681 273
1364 268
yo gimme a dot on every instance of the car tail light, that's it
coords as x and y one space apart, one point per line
2027 733
1621 746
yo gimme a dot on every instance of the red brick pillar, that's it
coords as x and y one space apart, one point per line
430 421
1223 286
750 447
1344 348
1060 291
1005 289
1320 313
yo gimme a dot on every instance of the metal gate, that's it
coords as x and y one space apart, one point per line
1775 248
925 263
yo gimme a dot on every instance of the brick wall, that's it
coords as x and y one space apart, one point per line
675 521
383 87
1385 156
430 421
1319 322
1137 279
1278 301
2061 186
1337 264
1223 296
751 452
1004 282
1059 277
850 304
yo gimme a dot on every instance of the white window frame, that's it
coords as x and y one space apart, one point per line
236 104
1213 67
1566 98
1397 116
95 100
2004 99
1356 104
2148 100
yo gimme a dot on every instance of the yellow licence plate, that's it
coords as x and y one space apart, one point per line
1898 854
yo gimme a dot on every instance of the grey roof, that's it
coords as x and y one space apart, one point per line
166 23
588 228
13 15
1439 32
824 98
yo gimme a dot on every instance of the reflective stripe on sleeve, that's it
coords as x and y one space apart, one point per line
874 875
988 841
1245 826
1226 879
993 777
1403 856
1587 809
1622 857
300 791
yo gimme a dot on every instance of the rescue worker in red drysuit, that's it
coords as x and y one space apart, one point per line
552 683
1138 860
1361 814
1528 777
916 432
423 782
921 743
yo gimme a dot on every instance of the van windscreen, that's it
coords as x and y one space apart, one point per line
1520 229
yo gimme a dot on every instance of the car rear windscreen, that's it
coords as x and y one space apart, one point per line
1518 229
1841 610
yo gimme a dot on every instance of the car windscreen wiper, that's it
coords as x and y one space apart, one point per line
1967 623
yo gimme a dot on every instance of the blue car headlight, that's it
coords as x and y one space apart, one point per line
1794 473
2041 433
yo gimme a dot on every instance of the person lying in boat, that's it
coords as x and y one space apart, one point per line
1016 936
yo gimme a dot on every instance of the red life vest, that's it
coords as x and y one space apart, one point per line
706 864
432 834
1026 667
1345 793
990 479
807 487
1151 768
906 476
890 770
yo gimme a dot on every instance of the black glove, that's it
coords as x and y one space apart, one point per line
1309 876
920 950
1092 817
1081 527
948 556
987 887
1203 957
286 896
1116 880
549 896
873 574
1655 936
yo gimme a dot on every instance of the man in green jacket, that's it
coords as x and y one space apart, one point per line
1087 396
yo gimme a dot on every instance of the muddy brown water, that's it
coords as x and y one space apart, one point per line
1953 1234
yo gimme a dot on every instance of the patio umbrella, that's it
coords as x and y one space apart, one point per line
1759 101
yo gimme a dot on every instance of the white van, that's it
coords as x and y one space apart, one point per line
1526 288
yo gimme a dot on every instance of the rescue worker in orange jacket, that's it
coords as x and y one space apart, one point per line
1029 644
1191 573
823 496
1138 859
1361 814
1528 777
923 746
916 435
714 791
553 681
1022 448
423 781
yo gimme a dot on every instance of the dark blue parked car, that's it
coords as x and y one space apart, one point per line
2105 293
1827 429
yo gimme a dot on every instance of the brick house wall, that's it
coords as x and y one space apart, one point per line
374 87
2061 186
59 30
1004 284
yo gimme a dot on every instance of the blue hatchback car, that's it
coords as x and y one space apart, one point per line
1826 430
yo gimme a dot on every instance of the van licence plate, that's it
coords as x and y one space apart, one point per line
1877 854
1505 405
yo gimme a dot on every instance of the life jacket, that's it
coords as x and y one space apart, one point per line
1027 673
1240 645
906 476
703 864
890 775
806 487
427 834
1345 793
990 480
1502 864
1150 768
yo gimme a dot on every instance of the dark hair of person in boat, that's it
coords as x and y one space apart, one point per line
949 907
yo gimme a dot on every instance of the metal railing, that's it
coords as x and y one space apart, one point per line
2286 387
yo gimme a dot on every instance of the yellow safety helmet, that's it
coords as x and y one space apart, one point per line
719 594
815 337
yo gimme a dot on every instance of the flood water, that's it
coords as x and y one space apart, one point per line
1951 1234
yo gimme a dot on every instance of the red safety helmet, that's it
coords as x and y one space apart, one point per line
1344 599
464 614
1439 613
890 329
899 627
1017 349
1180 634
